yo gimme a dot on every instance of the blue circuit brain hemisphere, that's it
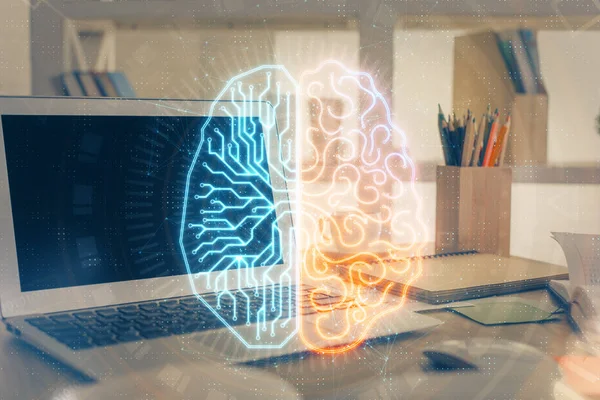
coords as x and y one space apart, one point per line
235 207
231 234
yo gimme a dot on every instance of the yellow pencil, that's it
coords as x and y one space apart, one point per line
479 141
467 151
500 160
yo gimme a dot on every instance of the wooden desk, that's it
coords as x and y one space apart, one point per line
27 374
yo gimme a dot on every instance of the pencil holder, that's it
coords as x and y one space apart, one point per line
473 209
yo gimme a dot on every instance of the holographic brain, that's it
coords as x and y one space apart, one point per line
236 211
360 212
326 151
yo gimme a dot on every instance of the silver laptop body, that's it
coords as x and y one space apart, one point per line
106 269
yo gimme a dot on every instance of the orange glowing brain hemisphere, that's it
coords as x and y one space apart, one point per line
359 214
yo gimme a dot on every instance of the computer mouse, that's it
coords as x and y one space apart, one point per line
481 353
487 369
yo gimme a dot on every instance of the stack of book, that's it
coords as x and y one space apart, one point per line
520 52
96 84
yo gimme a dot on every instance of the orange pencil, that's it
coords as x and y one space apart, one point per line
500 143
491 141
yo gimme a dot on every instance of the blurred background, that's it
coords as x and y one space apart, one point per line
189 49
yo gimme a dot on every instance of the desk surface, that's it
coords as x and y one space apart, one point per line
27 374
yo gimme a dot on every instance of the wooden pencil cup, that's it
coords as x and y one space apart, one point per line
473 209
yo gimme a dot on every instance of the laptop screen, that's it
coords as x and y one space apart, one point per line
99 199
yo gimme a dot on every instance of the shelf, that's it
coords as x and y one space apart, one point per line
538 174
588 174
139 10
131 10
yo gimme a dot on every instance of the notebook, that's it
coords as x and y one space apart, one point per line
531 47
525 69
121 84
562 290
70 85
470 275
520 53
96 84
584 314
581 293
582 252
506 49
105 85
88 84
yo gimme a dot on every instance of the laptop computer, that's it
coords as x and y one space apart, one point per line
91 267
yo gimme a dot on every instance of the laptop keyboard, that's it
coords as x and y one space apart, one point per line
149 320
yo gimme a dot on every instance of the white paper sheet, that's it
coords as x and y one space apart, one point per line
582 252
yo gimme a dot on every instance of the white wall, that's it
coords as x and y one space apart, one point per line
15 66
188 63
571 71
423 71
540 209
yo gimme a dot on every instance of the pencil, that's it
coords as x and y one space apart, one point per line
499 143
446 144
443 128
497 146
479 141
451 145
491 141
452 140
486 135
500 160
461 131
474 142
467 150
459 138
455 120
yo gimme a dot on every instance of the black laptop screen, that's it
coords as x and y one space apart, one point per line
99 199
